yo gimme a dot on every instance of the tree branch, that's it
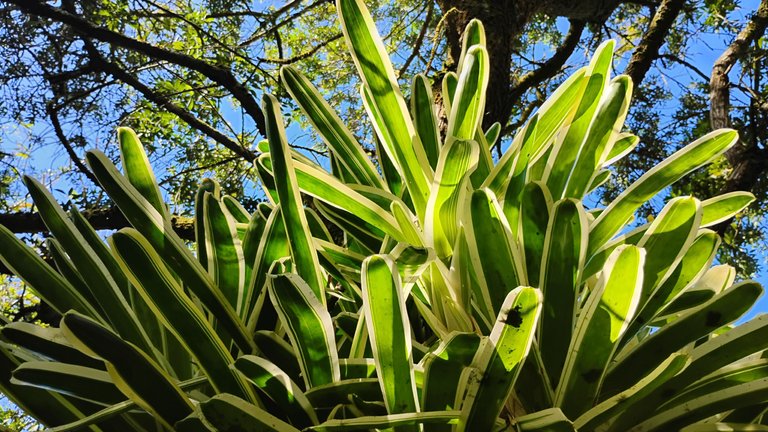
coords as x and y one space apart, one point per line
552 65
100 219
719 83
419 39
165 102
259 34
305 54
687 64
53 114
648 49
223 77
748 162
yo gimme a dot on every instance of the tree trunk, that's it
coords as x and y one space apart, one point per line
503 21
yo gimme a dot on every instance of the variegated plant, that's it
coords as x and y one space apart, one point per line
467 294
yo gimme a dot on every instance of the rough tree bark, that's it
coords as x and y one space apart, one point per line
100 219
653 38
747 161
505 21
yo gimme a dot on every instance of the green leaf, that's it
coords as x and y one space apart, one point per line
274 348
99 416
389 333
159 233
549 420
403 421
47 407
627 399
599 329
377 75
383 141
236 210
66 268
533 387
273 245
92 385
565 151
684 161
535 204
539 131
229 413
442 370
159 288
95 274
724 207
493 252
694 263
47 283
713 281
226 262
132 371
721 380
117 409
737 343
723 309
348 152
100 247
323 186
492 134
702 407
606 125
137 169
448 86
624 144
449 193
335 393
469 100
491 378
295 220
251 241
176 356
473 35
665 242
724 427
206 186
564 252
279 387
424 118
48 342
309 327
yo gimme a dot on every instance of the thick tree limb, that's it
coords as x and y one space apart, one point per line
748 162
648 49
219 75
552 65
719 84
166 103
100 219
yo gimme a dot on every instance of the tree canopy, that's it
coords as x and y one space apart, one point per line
187 74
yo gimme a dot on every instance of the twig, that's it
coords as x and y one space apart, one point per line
53 114
419 39
305 54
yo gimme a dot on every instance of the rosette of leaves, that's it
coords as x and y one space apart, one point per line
466 294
